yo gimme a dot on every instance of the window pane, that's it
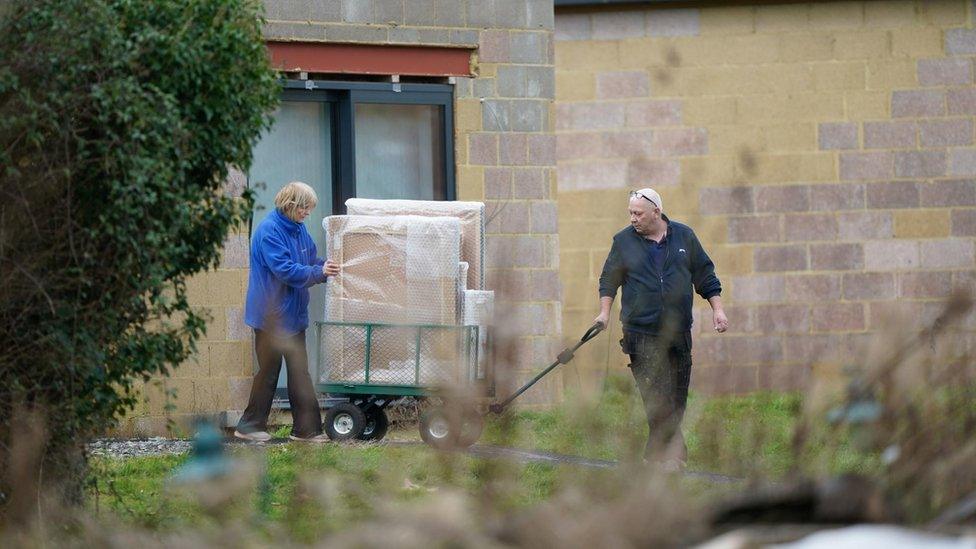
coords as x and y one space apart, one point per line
298 148
399 153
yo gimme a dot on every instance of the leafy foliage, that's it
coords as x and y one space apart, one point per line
119 120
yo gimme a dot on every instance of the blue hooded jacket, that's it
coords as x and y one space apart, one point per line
284 263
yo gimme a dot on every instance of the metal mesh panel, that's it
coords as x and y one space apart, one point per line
440 357
425 356
392 353
342 353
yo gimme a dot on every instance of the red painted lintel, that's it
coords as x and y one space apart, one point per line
325 57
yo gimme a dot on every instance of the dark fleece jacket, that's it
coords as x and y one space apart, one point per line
656 301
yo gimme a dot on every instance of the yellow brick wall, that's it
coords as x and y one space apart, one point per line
822 151
217 377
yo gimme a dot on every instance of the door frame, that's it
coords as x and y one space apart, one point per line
345 95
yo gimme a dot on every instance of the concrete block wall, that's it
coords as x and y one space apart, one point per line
217 379
823 152
505 156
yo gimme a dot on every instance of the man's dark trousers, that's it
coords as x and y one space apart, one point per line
662 370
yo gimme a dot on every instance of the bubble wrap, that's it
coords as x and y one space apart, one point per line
395 269
461 287
470 214
478 310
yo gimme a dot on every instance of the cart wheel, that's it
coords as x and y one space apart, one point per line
377 423
472 424
344 421
438 428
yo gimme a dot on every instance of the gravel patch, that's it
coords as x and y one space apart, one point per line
126 448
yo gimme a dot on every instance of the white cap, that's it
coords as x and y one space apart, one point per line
649 194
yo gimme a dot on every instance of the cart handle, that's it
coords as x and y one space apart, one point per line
595 329
563 358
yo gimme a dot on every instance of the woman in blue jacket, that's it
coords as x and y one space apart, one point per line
284 264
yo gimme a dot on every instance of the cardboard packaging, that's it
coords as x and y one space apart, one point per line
470 214
395 270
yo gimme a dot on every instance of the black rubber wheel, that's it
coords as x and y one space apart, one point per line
377 423
472 424
439 428
344 421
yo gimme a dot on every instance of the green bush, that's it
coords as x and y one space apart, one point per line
119 120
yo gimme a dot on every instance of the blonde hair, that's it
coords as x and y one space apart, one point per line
295 195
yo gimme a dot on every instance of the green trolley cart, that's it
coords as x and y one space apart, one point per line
370 366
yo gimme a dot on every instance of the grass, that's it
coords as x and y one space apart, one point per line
748 436
739 435
304 484
307 491
132 489
339 494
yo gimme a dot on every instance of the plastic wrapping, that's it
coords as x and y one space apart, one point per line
463 275
479 307
395 269
462 285
470 214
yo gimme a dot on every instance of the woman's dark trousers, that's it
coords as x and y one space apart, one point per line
662 370
306 416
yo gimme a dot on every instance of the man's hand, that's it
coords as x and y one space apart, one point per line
719 320
603 319
331 268
604 316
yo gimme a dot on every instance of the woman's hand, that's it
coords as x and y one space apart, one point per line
330 268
